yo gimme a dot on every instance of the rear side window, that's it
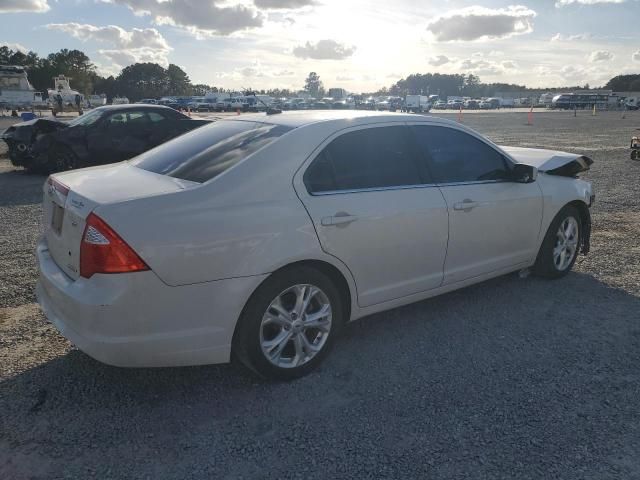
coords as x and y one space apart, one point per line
455 156
371 158
208 151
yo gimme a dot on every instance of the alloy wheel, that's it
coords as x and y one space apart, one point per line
295 326
566 245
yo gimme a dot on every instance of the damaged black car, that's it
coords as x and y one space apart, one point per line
104 135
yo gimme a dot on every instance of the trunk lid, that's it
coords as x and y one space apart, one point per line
551 162
69 197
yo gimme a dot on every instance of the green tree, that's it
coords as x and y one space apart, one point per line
142 80
313 85
624 83
201 89
179 82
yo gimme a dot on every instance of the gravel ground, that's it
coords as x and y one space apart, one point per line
512 378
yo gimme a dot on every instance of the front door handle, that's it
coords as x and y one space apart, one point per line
340 218
466 205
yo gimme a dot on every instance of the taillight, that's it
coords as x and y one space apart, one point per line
56 185
103 251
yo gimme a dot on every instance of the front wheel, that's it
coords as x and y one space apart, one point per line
62 158
561 245
635 154
289 324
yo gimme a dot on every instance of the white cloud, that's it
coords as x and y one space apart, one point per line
324 50
283 4
16 47
33 6
636 56
118 36
201 18
137 55
252 72
479 65
344 78
564 3
481 23
135 45
559 37
439 60
600 56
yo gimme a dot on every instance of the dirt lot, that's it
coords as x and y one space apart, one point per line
513 378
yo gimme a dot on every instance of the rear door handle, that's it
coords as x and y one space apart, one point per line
466 205
338 219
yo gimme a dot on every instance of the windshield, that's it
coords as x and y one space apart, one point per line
87 118
208 151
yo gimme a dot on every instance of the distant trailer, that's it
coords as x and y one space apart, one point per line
417 103
571 101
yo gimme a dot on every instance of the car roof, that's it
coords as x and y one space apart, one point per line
133 106
301 118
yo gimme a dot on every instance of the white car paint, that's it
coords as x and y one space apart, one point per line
210 245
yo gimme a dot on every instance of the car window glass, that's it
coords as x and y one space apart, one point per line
87 118
155 117
117 119
208 151
137 117
370 158
456 156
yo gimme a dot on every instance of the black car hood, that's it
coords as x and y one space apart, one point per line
26 130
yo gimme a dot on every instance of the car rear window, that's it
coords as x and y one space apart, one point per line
208 151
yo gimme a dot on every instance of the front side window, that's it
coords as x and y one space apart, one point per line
208 151
455 156
364 159
87 118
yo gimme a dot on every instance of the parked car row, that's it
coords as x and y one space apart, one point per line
469 104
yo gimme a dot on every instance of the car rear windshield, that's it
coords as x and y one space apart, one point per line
208 151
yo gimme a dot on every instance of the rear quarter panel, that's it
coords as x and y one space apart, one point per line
248 221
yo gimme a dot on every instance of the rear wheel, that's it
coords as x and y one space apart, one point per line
289 324
635 154
561 244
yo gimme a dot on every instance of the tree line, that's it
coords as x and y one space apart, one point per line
136 81
143 80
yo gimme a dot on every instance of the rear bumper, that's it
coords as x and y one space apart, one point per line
135 320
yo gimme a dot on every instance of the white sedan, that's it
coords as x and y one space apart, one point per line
259 237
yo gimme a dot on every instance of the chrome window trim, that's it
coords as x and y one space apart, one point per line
405 187
371 189
473 182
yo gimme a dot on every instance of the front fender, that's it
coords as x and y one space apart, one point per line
557 192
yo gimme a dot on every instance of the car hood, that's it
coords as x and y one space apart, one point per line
551 162
25 130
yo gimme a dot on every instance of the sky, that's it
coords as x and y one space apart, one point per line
359 45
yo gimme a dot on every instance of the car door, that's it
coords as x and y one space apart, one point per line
375 208
107 137
493 222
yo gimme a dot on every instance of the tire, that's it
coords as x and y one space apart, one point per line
62 158
635 154
548 263
257 333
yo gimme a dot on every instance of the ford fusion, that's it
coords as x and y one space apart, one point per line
258 238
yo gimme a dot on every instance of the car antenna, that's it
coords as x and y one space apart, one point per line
269 110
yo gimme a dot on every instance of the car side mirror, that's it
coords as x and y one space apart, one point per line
522 173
